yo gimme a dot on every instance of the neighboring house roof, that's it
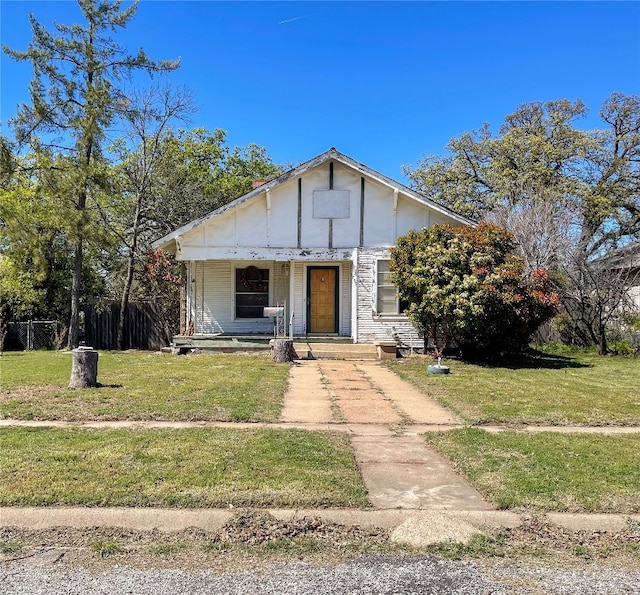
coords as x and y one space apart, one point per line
627 257
331 154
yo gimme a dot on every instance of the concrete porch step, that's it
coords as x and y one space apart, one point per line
353 351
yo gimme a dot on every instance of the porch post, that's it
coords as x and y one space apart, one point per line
292 303
354 295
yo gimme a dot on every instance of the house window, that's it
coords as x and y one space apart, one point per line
387 303
252 292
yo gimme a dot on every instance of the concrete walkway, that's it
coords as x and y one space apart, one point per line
399 471
411 487
363 392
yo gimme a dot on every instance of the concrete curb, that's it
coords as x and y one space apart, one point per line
414 527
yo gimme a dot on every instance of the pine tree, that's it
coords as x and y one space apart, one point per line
76 94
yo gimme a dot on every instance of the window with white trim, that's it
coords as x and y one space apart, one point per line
252 292
387 300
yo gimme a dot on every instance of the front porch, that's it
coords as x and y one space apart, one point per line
319 347
236 298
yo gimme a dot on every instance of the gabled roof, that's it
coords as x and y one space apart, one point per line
331 154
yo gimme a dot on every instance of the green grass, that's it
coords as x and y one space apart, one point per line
216 467
542 389
548 471
10 546
106 548
143 386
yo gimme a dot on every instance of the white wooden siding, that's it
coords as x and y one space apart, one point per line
345 299
280 292
215 304
634 291
299 304
212 283
370 327
213 301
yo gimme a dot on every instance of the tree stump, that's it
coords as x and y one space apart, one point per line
84 369
283 351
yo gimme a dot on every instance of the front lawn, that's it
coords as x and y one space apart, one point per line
217 467
548 471
542 389
143 386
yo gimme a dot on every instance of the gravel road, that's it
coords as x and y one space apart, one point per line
369 575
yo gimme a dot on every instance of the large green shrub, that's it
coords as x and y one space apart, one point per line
465 286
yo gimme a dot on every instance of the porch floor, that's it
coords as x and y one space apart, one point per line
314 347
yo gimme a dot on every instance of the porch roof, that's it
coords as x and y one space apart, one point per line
275 254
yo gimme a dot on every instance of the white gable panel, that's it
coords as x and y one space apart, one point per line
283 225
195 237
221 231
315 174
378 215
411 215
441 218
251 223
315 232
346 231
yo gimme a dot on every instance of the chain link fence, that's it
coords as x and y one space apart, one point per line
32 334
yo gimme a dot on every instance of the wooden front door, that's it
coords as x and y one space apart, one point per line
322 288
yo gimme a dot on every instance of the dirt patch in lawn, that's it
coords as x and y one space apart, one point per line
27 393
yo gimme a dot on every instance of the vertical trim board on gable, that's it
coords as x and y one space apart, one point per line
361 244
299 212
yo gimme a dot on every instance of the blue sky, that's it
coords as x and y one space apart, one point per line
384 82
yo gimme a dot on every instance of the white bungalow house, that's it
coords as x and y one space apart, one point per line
314 241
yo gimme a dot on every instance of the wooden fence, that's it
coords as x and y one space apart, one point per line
142 327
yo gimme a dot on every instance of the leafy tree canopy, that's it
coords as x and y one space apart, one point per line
539 155
35 242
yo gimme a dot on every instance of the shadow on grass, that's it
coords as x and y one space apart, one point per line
533 360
